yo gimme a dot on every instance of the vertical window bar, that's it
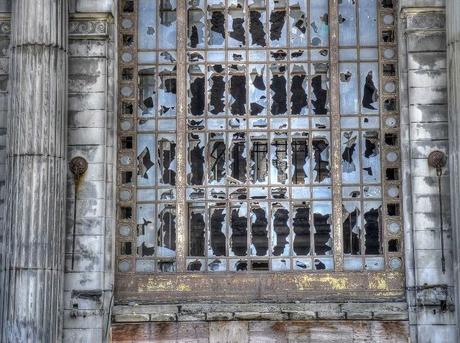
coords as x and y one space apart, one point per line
181 147
335 129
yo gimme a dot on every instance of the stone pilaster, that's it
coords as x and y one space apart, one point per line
36 173
453 65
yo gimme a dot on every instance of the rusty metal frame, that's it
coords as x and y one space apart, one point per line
276 286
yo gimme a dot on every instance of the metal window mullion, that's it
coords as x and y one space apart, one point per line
181 140
335 135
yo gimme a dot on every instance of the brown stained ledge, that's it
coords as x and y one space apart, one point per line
259 287
391 311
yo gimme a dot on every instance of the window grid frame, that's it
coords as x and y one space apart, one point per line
181 145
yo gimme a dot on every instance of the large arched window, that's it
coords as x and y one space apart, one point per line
258 136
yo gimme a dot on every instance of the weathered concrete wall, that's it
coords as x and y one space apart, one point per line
88 286
424 129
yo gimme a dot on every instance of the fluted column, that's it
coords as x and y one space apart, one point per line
453 63
36 170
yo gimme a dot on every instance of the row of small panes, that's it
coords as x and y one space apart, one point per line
252 27
392 160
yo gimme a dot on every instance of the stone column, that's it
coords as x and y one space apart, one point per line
453 64
36 173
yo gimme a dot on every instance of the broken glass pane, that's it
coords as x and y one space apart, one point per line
166 160
196 28
238 154
216 152
278 86
350 157
237 100
196 158
349 88
167 27
301 227
259 230
145 160
369 82
300 160
319 13
259 160
367 23
280 229
257 90
239 230
351 228
321 158
373 227
319 85
236 29
197 229
371 157
147 24
278 27
279 159
347 23
147 91
258 36
166 230
322 212
145 230
167 91
299 89
217 232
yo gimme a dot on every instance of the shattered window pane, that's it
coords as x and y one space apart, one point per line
260 158
197 232
360 99
258 132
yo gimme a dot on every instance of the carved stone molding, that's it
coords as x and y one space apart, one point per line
89 27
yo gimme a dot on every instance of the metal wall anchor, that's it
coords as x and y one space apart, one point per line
78 166
438 160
